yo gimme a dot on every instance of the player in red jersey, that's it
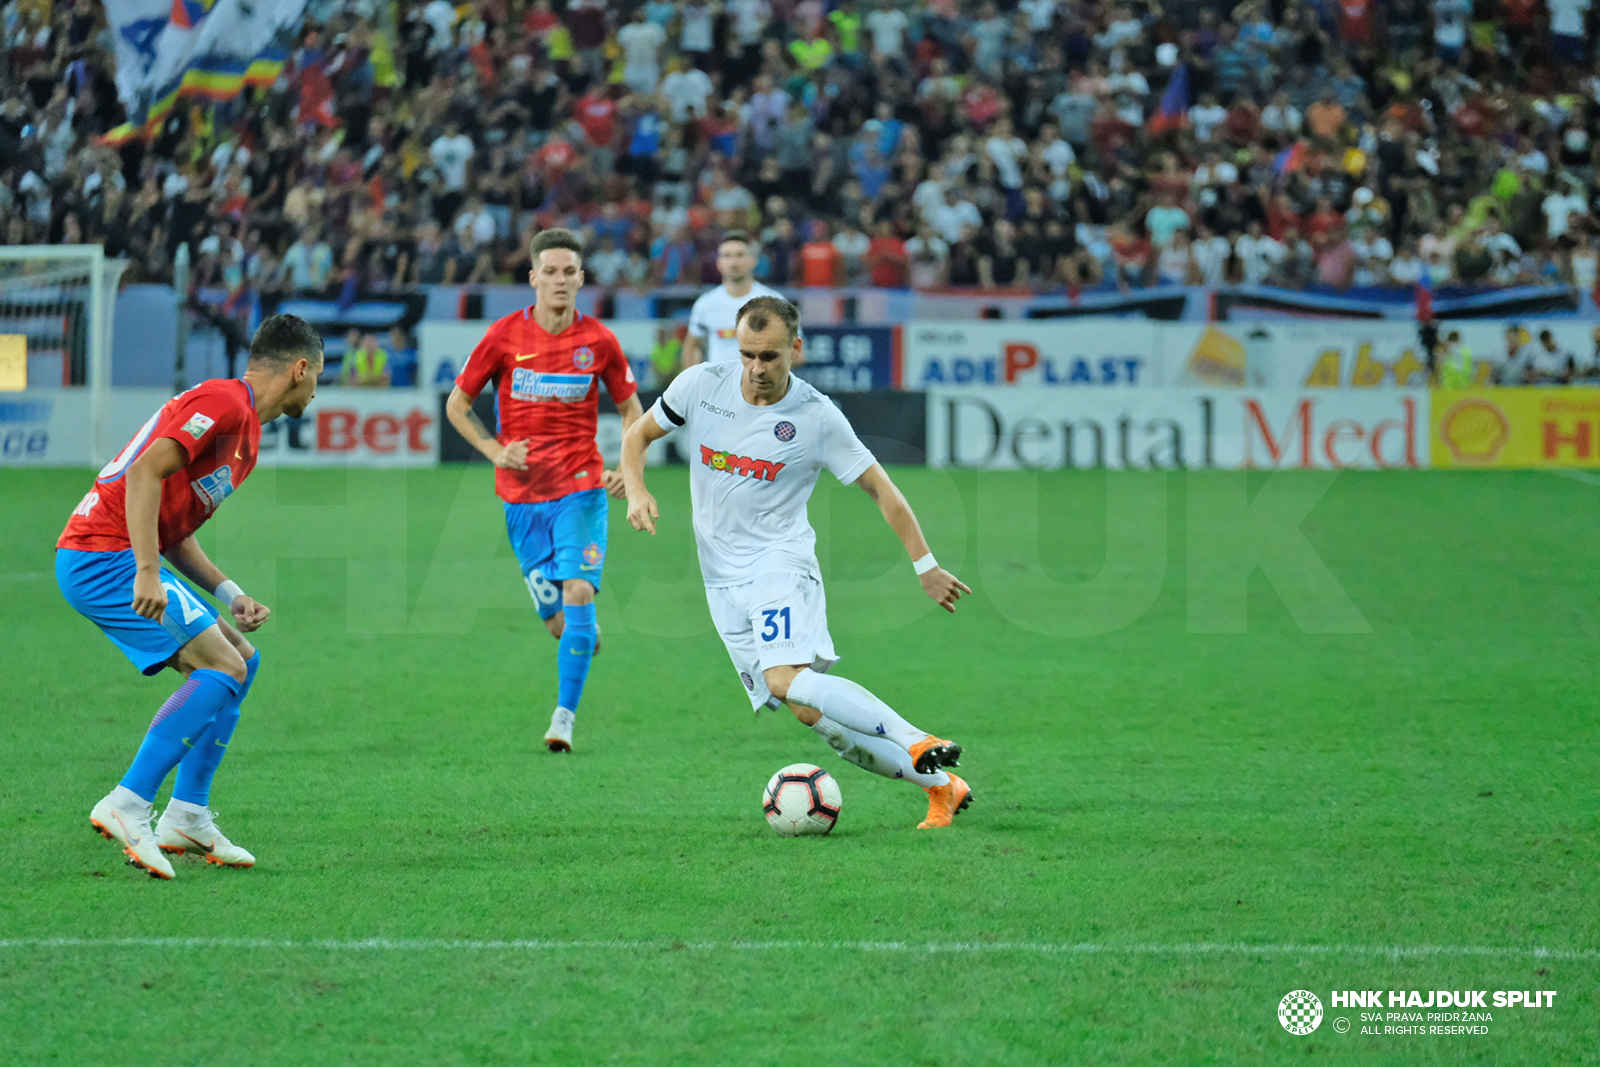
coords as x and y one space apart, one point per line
547 362
147 503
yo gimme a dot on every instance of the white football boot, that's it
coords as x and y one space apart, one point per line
190 828
559 737
124 817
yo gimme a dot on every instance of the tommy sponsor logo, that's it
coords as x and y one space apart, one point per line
724 412
214 488
198 424
536 386
762 469
726 335
583 358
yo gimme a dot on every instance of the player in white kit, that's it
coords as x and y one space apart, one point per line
710 338
757 439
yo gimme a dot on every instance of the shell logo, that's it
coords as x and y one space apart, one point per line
1475 431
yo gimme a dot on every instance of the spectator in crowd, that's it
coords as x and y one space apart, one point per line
1553 365
821 262
366 365
853 247
1358 143
641 41
928 257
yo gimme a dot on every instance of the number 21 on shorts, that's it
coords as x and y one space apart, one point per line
769 632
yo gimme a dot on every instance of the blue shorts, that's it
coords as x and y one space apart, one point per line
100 586
559 539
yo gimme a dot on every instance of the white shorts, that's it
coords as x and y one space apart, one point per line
777 620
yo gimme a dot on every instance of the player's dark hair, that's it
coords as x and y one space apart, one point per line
738 235
282 339
763 309
545 240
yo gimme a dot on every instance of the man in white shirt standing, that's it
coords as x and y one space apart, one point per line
687 91
1008 152
641 41
711 320
451 151
1259 255
758 438
887 27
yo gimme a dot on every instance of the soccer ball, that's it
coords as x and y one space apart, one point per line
802 799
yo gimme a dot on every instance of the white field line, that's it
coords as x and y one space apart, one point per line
1586 477
980 948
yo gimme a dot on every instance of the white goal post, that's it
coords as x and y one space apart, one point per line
61 299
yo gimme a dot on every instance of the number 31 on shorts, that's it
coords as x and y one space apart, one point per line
769 632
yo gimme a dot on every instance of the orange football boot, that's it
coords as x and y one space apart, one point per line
931 753
943 803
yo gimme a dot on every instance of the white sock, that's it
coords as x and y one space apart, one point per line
876 754
852 707
176 807
126 799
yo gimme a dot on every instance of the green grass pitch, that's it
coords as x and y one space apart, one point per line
1200 784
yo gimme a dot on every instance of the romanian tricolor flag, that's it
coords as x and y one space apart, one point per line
1173 110
207 49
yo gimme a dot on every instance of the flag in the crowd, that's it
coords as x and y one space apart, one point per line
1290 159
1425 296
1174 106
316 95
212 49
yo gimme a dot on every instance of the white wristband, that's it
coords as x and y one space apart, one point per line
228 592
925 564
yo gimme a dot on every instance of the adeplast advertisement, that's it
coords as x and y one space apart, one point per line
1118 355
1485 428
1110 355
1176 428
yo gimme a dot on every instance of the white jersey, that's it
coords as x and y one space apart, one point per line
712 318
752 469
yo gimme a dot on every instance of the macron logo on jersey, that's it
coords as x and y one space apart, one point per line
529 384
762 469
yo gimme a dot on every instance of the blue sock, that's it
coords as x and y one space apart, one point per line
193 783
180 722
574 653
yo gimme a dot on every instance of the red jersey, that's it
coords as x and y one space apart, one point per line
819 263
547 394
216 424
598 117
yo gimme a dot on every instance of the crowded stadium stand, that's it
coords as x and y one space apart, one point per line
1047 146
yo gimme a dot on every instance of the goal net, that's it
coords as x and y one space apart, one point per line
56 304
